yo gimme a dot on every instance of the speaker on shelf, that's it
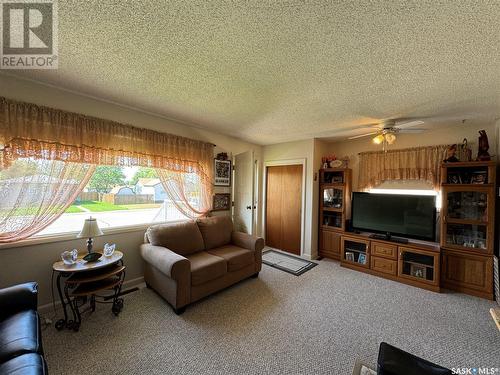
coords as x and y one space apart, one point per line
348 225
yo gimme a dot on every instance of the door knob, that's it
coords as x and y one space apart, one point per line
249 207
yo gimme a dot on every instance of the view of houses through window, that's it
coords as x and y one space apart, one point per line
118 196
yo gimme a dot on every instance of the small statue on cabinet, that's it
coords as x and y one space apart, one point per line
450 154
482 152
465 151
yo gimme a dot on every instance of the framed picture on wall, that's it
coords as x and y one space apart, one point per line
222 202
222 172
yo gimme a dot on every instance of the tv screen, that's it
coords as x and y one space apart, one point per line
411 216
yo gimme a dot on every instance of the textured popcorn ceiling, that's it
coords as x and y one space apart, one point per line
274 71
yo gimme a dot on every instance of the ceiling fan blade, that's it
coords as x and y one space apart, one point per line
362 135
411 131
409 124
373 125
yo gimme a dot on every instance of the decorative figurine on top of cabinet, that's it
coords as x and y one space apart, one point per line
450 154
465 151
482 152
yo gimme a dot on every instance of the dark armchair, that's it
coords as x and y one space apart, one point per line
21 349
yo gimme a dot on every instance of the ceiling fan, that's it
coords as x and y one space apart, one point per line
385 131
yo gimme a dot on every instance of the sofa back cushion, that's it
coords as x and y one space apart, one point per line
216 230
183 238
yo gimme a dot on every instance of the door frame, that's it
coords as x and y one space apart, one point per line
278 163
254 189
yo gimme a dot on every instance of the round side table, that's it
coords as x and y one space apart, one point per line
81 282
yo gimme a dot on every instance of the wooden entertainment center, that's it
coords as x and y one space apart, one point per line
415 263
462 261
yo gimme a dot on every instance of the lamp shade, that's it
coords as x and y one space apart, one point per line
90 229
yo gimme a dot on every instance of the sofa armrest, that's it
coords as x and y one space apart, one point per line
253 243
18 298
247 241
168 262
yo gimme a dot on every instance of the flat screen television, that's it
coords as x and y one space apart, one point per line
408 216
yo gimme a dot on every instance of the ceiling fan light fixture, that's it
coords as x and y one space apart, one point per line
390 138
378 139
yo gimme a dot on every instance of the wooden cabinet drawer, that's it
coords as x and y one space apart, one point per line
384 265
384 250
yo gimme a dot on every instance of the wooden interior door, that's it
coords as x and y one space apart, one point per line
284 207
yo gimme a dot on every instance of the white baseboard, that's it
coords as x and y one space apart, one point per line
48 307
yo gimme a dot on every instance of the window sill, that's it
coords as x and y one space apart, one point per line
72 235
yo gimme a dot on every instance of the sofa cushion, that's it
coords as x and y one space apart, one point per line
236 257
26 364
19 334
206 267
216 230
184 238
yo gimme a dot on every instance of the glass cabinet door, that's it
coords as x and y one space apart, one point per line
418 265
465 219
332 219
333 197
467 236
467 205
356 252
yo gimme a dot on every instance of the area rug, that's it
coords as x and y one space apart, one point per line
288 263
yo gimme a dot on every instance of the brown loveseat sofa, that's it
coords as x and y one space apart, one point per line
187 261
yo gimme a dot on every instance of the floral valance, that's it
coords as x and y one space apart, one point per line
419 163
29 130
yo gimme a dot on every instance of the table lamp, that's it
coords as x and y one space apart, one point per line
90 229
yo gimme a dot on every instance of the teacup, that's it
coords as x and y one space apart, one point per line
69 257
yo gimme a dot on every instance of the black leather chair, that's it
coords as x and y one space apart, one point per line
21 351
394 361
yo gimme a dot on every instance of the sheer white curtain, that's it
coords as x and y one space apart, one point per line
190 193
34 193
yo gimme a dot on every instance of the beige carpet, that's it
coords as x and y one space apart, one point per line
318 323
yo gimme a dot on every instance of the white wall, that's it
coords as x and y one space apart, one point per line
34 262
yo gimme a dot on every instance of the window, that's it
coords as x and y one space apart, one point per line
56 146
118 197
411 192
